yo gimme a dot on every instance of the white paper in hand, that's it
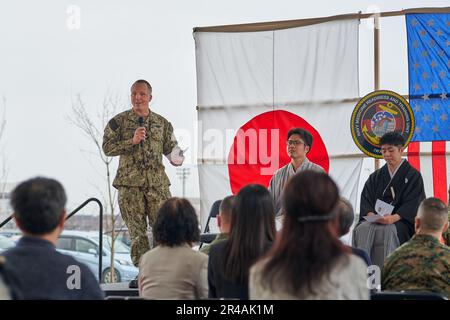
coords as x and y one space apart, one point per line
176 156
383 208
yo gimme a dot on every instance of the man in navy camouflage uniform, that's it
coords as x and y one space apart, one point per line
140 137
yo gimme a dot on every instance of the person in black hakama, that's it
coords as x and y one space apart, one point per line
396 183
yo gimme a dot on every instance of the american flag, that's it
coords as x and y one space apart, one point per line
429 96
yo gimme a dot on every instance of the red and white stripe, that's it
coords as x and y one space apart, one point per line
432 159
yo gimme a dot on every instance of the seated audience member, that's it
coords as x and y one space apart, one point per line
41 271
346 218
446 235
5 293
396 184
173 270
223 222
422 263
251 234
308 261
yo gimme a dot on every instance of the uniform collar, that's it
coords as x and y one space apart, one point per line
425 238
222 236
135 118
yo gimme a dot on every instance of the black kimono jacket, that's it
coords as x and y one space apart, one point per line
408 190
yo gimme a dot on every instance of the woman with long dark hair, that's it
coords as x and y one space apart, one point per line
308 261
251 234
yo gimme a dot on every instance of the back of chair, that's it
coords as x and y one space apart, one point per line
212 213
206 237
123 298
407 295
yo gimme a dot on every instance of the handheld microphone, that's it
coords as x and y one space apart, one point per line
141 124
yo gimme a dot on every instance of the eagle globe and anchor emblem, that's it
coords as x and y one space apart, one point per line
377 113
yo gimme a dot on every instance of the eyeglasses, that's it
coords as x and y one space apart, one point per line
294 142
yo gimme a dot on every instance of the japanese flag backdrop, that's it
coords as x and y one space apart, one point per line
255 86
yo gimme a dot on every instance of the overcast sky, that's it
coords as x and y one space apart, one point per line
45 60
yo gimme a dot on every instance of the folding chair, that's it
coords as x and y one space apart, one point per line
123 298
407 295
206 236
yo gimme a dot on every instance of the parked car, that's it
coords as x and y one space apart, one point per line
6 243
122 235
8 233
84 246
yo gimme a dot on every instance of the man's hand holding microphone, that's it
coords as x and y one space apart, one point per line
140 133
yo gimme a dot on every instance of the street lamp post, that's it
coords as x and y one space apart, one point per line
183 174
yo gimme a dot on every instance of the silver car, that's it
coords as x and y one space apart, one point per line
6 243
84 247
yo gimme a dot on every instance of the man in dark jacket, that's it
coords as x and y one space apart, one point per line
39 271
397 183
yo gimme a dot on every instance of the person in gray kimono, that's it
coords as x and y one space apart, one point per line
299 143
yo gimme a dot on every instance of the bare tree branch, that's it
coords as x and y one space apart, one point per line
3 118
94 132
4 167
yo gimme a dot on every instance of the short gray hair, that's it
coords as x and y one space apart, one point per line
226 205
346 215
433 214
142 81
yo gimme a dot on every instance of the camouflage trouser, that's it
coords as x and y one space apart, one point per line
136 206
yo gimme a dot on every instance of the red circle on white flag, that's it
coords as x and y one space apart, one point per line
252 159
